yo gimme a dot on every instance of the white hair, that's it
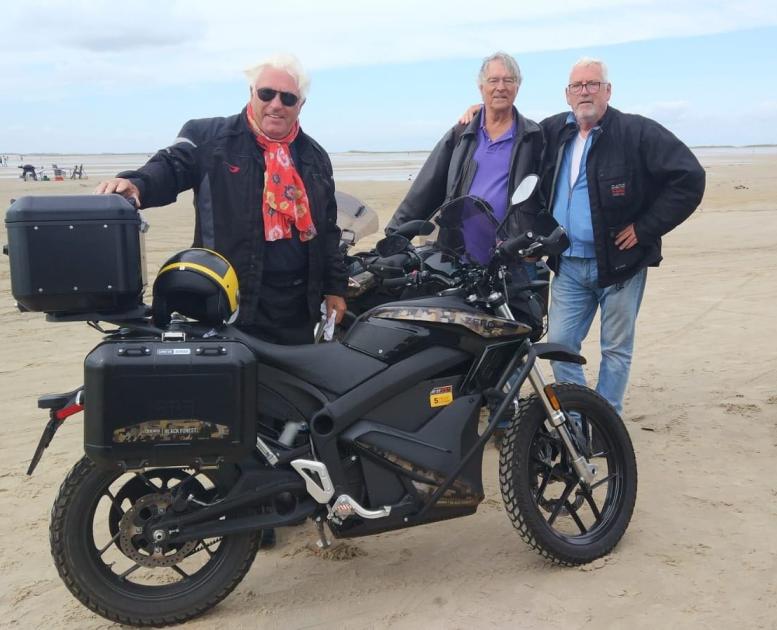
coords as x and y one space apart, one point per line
287 63
509 62
590 61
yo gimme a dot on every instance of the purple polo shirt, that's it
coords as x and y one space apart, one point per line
490 184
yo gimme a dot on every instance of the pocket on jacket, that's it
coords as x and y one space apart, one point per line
621 259
615 190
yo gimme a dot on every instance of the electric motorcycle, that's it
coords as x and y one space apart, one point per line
197 437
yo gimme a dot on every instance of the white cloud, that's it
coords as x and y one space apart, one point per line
72 41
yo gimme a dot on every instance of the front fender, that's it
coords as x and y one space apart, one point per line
556 352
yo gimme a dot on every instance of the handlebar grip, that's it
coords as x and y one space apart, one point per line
395 282
512 247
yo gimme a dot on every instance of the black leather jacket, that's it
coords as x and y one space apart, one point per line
450 168
638 172
220 159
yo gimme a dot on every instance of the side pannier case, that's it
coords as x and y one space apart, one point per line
169 403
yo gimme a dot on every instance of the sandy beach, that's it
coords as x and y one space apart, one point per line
701 550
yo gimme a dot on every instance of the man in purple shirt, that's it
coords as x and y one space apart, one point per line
487 158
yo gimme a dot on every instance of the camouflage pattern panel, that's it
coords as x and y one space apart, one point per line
480 323
171 431
459 494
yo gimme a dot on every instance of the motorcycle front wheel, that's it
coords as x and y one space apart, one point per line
566 521
103 557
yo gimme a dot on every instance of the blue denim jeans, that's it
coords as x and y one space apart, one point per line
575 297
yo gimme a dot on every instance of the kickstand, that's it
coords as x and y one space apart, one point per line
323 541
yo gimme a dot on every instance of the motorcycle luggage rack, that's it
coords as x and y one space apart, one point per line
138 312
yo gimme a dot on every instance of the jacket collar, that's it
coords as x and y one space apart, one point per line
524 125
609 114
300 146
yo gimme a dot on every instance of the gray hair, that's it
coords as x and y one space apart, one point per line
590 61
287 63
509 62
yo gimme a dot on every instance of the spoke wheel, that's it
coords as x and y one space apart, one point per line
111 563
565 520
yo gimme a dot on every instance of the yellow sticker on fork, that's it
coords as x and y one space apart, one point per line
441 396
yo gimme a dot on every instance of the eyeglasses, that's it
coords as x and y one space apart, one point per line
508 81
591 86
268 94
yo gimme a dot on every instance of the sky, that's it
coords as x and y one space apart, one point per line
91 76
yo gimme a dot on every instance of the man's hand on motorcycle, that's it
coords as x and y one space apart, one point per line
120 186
469 114
627 237
337 304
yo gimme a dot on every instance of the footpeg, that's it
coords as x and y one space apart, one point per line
345 507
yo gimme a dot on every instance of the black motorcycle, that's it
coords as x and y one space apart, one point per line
197 438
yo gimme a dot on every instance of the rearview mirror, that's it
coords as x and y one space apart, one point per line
525 189
416 227
391 245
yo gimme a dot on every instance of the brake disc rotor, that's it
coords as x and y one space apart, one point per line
146 551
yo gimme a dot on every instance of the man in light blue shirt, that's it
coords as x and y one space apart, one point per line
617 183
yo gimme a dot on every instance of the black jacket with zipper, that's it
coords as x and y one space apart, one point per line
450 168
638 172
221 161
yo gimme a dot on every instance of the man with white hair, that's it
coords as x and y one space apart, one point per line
487 158
617 182
264 199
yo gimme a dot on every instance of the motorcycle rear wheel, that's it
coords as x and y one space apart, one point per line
108 567
555 514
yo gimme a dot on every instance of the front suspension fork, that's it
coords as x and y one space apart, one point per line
557 419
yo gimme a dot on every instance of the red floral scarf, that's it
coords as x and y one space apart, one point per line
285 200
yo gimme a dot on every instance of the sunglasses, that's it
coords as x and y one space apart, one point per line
268 94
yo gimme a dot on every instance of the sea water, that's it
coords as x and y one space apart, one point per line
402 166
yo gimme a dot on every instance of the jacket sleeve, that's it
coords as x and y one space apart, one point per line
170 171
675 170
335 274
430 186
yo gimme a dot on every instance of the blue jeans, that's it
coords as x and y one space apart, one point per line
575 297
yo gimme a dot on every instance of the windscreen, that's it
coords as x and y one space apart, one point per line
466 229
355 215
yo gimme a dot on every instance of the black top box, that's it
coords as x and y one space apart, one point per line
76 254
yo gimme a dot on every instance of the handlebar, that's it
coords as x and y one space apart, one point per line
419 278
391 283
529 243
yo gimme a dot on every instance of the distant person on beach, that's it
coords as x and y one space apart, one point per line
28 170
617 183
487 158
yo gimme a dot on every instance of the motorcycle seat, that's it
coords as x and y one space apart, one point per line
331 367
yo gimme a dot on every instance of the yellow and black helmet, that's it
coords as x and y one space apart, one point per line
199 284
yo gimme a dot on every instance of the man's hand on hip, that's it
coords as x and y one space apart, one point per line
626 238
